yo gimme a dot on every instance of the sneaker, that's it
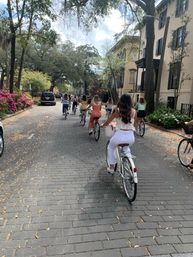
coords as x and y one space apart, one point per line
191 165
110 170
90 132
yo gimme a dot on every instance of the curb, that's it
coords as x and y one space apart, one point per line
14 114
166 130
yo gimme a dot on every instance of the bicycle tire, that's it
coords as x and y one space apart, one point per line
141 128
185 152
96 131
106 151
65 115
129 185
83 119
1 144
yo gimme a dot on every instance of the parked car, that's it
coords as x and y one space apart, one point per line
1 139
58 95
48 98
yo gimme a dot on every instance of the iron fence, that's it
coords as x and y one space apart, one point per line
187 109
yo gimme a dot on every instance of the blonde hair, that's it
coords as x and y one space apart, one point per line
96 99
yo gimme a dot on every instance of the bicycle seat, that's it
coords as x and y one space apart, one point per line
122 145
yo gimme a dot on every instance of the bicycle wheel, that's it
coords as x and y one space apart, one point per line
185 152
141 128
83 119
130 186
65 114
1 144
106 152
96 131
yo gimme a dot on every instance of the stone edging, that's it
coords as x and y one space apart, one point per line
14 114
177 132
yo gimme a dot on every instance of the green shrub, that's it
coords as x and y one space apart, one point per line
168 118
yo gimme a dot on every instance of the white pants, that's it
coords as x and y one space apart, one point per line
120 137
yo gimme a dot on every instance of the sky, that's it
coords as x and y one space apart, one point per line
102 37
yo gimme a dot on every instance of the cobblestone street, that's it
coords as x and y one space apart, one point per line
67 204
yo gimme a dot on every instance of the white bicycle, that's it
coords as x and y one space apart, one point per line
125 166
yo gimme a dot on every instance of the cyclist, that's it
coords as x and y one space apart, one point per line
126 121
109 106
140 108
95 113
75 102
70 100
83 104
65 103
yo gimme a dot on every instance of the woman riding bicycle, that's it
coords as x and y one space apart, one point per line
140 108
65 103
95 113
126 120
74 102
83 104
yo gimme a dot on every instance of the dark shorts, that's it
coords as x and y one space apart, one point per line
141 114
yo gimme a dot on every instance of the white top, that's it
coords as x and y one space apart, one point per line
121 125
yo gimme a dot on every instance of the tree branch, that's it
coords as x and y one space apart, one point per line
141 3
133 11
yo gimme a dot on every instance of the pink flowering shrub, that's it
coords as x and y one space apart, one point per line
13 102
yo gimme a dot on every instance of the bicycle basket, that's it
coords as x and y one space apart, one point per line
188 128
109 131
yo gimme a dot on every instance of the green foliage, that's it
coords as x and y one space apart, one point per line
36 80
168 118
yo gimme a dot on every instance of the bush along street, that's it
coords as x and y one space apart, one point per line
168 118
13 102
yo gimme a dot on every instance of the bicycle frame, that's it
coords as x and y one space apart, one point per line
119 156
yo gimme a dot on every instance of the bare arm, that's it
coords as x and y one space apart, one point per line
111 118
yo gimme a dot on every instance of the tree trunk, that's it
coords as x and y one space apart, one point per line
2 78
149 75
20 68
12 65
162 61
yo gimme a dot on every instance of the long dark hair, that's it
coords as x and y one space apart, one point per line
124 106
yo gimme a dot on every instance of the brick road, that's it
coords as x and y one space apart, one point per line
69 206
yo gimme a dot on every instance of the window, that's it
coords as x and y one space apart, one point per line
162 18
181 7
132 76
170 103
159 46
178 37
174 75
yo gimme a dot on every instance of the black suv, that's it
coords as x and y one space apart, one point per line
47 98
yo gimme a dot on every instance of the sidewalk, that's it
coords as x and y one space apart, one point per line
167 139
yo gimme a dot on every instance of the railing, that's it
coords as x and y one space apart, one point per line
187 109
